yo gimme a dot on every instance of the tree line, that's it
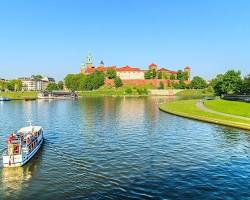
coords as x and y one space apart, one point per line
81 82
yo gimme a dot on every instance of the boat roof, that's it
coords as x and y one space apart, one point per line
30 128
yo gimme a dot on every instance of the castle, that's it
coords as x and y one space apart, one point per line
132 74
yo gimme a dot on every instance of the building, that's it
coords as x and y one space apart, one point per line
31 84
131 73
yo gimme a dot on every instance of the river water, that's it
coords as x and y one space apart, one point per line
124 148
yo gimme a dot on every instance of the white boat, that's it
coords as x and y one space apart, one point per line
22 146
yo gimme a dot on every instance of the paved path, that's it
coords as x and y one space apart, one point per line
201 106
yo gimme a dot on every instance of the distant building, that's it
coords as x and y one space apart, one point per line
31 84
128 72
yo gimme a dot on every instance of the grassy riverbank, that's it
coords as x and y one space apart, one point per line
122 91
229 107
19 95
195 93
188 109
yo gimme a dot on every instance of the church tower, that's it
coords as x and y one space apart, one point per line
89 61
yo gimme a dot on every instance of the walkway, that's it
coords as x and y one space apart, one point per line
201 106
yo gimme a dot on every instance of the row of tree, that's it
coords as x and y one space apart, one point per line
153 74
231 83
12 85
80 82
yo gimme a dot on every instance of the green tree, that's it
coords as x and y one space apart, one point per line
37 77
246 85
94 81
161 86
181 75
3 85
172 77
118 82
72 81
154 73
216 84
147 75
160 75
198 83
51 87
111 73
14 85
60 85
229 83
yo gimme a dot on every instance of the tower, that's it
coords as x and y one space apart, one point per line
89 61
187 69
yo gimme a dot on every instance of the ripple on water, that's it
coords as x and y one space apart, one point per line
125 148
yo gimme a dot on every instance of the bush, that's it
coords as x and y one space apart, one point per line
118 82
128 91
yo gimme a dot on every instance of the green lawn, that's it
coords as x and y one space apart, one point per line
195 93
188 108
229 107
19 95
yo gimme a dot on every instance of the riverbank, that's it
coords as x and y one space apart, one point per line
195 93
19 95
189 109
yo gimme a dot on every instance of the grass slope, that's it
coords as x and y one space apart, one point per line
229 107
188 109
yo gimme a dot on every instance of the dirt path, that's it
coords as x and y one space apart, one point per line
201 106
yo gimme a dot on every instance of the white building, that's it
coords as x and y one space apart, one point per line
30 84
129 73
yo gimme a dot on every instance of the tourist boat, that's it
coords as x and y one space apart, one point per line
4 99
22 146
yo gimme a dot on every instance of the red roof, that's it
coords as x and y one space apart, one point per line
100 69
128 69
152 65
166 70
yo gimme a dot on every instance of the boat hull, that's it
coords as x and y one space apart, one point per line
19 160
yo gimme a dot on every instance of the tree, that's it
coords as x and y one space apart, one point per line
60 85
111 73
198 83
216 84
181 75
172 77
51 87
153 71
161 86
147 74
229 83
93 81
37 77
72 81
246 84
3 85
160 75
118 82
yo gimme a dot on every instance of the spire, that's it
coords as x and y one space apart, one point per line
102 63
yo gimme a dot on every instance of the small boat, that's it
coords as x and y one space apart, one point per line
4 99
22 146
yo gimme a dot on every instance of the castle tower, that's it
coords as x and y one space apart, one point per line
102 63
188 70
153 67
89 61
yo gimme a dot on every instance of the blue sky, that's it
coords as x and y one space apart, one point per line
52 37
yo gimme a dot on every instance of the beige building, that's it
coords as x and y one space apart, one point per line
30 84
129 73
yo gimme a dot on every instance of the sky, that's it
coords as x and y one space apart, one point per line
53 37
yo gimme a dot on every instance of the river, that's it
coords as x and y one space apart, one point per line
124 148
